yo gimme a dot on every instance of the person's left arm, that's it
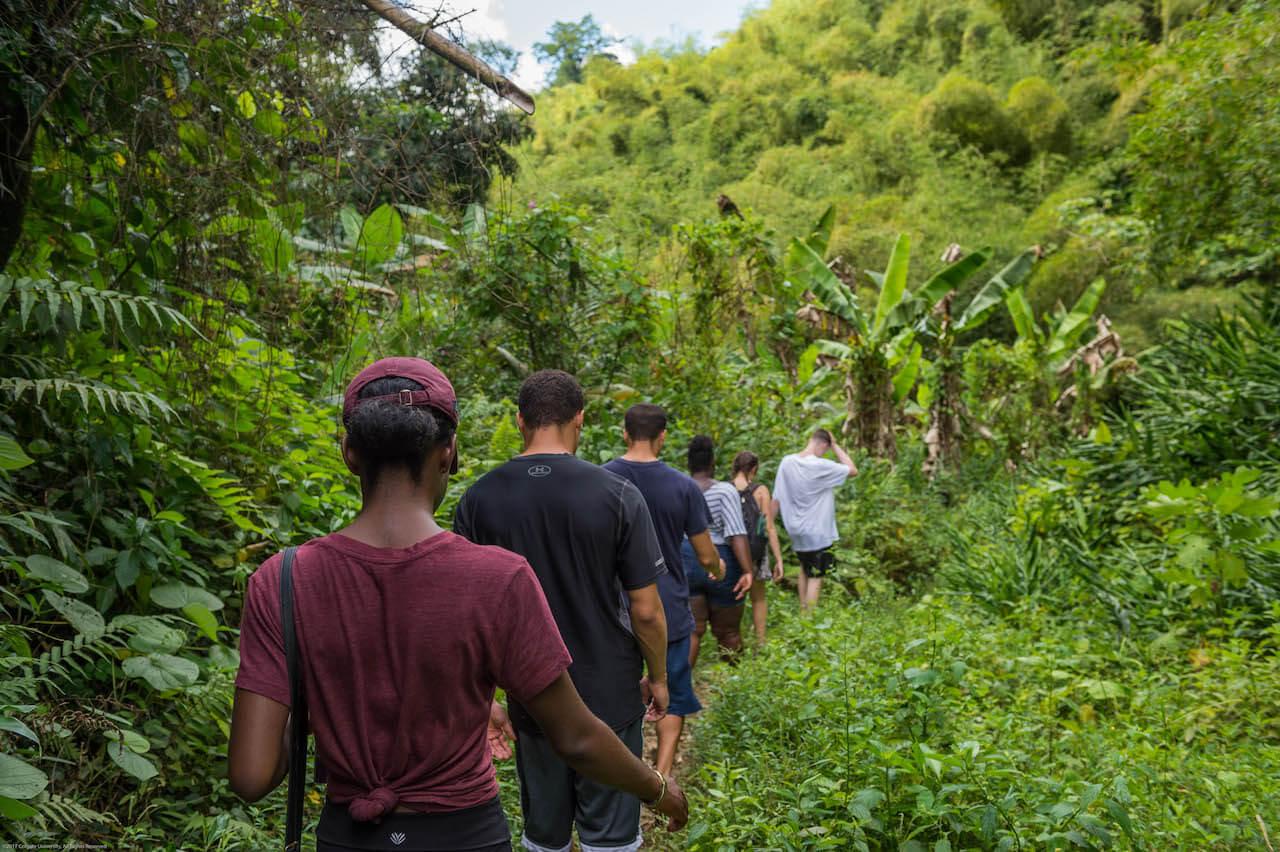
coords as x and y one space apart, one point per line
768 508
640 563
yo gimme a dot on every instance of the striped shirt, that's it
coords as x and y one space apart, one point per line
725 508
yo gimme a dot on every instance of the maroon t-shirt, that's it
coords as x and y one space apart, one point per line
402 649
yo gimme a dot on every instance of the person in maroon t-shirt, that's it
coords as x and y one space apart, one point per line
405 631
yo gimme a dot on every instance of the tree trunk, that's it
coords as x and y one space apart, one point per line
16 144
871 414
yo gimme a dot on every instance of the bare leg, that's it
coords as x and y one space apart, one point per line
726 625
802 590
698 605
669 728
815 586
759 608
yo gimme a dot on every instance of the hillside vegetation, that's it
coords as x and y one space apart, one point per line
1091 129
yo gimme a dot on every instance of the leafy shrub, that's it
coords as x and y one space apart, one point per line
1041 114
967 112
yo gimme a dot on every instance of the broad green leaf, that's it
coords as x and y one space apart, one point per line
203 618
906 376
14 810
178 595
810 272
895 283
1068 331
380 236
993 292
58 573
274 246
11 455
952 276
247 106
162 671
806 364
84 618
15 726
19 779
1024 321
833 348
132 740
152 635
131 762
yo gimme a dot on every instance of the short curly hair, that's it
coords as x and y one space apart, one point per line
549 398
702 455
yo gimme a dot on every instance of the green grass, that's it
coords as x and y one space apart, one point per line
931 724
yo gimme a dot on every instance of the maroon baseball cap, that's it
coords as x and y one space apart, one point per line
436 391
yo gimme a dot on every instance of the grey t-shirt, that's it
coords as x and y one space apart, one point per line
805 490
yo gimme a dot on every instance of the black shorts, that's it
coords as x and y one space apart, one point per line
555 799
817 563
482 828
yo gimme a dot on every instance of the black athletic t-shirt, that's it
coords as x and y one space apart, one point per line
588 536
678 510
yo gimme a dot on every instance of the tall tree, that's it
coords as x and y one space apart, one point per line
569 45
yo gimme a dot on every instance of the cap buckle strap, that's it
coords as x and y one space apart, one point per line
406 397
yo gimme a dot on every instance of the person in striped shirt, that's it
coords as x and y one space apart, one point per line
718 602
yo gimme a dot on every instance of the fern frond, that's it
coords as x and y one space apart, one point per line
67 658
64 302
110 400
220 487
63 814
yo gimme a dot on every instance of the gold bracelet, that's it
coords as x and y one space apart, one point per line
661 793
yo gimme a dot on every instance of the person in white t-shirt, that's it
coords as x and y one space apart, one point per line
804 493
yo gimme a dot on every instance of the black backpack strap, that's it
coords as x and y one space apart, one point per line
297 707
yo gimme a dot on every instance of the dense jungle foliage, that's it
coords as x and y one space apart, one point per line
1021 253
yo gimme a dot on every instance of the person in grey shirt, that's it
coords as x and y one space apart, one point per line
804 493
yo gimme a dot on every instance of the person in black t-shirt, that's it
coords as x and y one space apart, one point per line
590 540
678 510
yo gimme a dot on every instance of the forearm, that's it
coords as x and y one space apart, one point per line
774 546
598 754
650 630
741 552
845 460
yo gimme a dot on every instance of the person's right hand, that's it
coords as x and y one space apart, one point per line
674 806
656 698
724 569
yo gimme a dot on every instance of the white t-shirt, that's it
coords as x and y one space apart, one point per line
805 491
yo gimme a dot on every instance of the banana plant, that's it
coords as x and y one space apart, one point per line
940 332
1058 337
881 355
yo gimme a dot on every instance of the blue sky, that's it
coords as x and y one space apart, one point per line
520 24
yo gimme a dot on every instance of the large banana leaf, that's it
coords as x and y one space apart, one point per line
993 292
834 348
952 276
911 310
906 376
1020 311
895 284
809 271
1074 323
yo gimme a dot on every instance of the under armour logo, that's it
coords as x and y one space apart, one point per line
398 837
540 470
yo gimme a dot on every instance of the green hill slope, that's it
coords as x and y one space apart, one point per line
952 120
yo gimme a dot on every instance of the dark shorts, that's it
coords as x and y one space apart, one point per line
680 680
482 828
554 798
817 563
719 593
